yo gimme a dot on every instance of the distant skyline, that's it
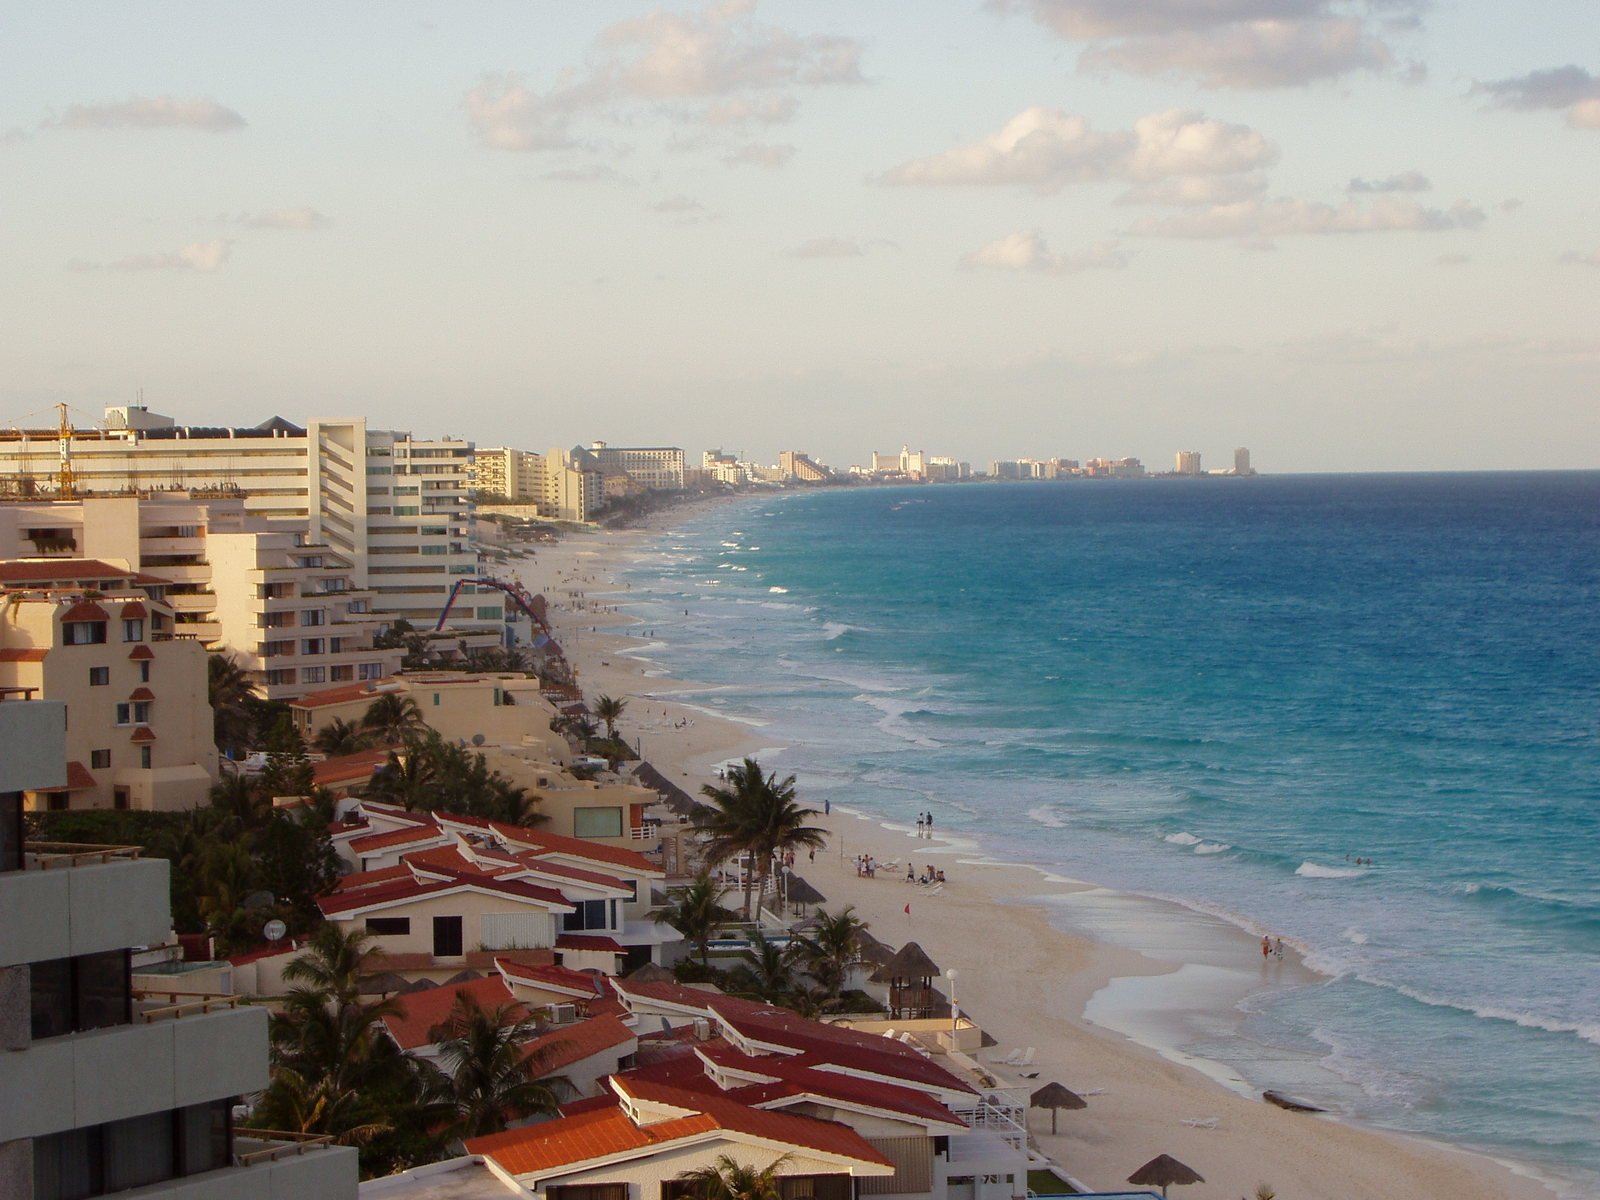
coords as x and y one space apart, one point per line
1348 234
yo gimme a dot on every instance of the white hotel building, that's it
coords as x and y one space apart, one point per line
103 1089
395 507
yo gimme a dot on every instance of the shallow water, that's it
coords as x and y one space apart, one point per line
1225 692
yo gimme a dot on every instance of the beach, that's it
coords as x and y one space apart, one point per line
1100 1012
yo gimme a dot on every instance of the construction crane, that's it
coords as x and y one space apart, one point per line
65 487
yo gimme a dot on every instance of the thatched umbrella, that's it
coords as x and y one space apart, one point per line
800 893
1163 1171
421 985
871 949
463 977
1055 1097
381 984
650 973
909 975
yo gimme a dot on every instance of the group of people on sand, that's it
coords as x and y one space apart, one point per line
866 866
930 874
1271 947
924 824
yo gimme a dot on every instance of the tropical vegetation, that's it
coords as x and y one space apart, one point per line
757 816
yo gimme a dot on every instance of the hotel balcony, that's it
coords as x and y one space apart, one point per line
71 899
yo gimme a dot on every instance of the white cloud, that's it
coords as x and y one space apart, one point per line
1289 217
301 219
151 112
1028 251
678 204
1046 149
721 54
1229 43
829 247
1195 191
590 173
197 256
755 154
1571 88
1406 181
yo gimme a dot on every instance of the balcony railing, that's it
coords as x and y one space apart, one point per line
276 1143
46 855
181 1004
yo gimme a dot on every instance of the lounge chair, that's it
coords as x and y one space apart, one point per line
1026 1060
1011 1059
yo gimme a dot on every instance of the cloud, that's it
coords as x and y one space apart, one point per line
592 173
1229 43
756 155
1194 191
150 112
1575 258
197 256
829 247
721 55
678 204
300 219
1045 149
1289 217
1570 87
1406 181
1028 251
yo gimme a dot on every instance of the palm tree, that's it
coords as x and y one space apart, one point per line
487 1077
756 815
832 947
242 799
410 778
695 910
296 1104
233 703
609 710
334 962
340 737
391 717
729 1179
768 970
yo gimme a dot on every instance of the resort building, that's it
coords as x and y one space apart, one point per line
574 485
799 467
1241 462
395 507
1187 463
237 583
442 892
514 474
99 639
659 468
104 1088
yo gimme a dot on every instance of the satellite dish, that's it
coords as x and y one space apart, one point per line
274 930
478 739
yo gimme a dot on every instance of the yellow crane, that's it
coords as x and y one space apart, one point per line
64 481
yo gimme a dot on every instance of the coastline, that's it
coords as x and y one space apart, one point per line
1104 1012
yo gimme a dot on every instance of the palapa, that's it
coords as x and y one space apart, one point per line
1055 1097
1163 1171
909 974
381 984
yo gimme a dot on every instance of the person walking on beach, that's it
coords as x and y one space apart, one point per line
1277 948
1266 946
919 824
929 822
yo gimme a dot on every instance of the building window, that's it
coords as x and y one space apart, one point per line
134 1152
314 675
313 645
436 699
597 822
99 760
447 937
342 674
141 712
144 757
133 631
124 714
593 1191
280 676
314 616
371 670
83 633
144 671
389 926
591 914
11 831
71 995
99 676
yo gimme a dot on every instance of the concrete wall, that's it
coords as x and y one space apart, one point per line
82 910
33 746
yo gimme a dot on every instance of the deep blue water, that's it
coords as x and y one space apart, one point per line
1222 690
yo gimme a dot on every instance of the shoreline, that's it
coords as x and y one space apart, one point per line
1099 1008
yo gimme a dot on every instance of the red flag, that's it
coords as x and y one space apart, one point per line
908 910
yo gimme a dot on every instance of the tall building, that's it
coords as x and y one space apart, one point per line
238 583
104 1088
656 467
396 507
797 465
99 640
574 486
514 474
1241 462
1188 463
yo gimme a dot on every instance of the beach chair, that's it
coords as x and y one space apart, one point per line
1011 1059
1026 1060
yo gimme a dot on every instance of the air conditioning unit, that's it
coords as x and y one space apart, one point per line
563 1014
702 1030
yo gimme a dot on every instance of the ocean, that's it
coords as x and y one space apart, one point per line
1229 693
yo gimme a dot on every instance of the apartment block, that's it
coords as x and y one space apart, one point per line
514 474
396 507
1187 462
104 1089
95 640
656 467
798 465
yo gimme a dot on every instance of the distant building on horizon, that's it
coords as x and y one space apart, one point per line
1241 462
798 466
1188 463
655 467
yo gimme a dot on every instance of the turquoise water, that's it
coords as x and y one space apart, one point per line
1224 692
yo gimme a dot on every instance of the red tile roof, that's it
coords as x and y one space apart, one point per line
560 1048
343 902
142 734
15 572
540 843
134 608
552 976
78 777
796 1080
345 693
141 693
17 654
563 871
394 837
588 941
420 1013
348 768
588 1135
86 610
361 879
141 652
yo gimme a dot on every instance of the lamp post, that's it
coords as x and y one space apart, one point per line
955 1012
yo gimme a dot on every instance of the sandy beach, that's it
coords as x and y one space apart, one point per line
1024 978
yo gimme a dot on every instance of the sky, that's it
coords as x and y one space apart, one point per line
1348 234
